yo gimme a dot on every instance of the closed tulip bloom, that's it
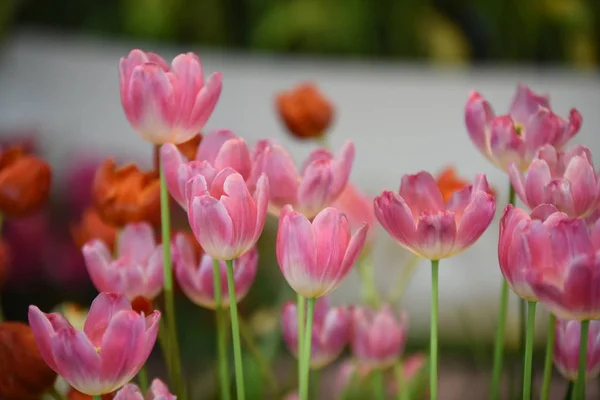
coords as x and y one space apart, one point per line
358 208
158 391
517 136
225 217
566 349
218 150
330 332
568 287
195 275
316 256
320 182
108 353
378 337
566 180
524 245
138 269
167 104
419 220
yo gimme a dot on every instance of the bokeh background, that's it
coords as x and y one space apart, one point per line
398 72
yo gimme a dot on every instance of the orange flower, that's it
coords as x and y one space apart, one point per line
24 182
305 111
4 259
449 182
91 227
124 195
24 374
75 394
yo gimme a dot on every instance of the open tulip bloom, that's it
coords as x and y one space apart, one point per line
157 391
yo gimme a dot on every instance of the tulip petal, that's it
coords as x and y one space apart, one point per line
332 235
476 219
526 103
277 164
129 392
211 145
102 310
171 159
188 70
396 217
341 168
43 331
235 154
97 259
261 199
206 100
478 116
242 211
538 177
436 235
583 185
506 146
421 194
355 247
570 239
213 227
518 182
136 242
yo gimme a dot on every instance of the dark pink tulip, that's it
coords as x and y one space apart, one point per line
138 269
167 104
108 353
566 349
330 334
158 391
420 221
517 136
320 182
196 277
316 256
566 180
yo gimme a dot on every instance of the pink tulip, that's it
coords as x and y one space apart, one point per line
566 180
517 136
167 104
108 353
330 333
411 367
196 277
218 150
321 181
524 245
358 209
350 374
158 391
378 337
420 221
566 349
316 256
225 218
138 269
568 286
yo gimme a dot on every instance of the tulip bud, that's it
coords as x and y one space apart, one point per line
566 348
305 111
24 374
91 227
124 195
24 182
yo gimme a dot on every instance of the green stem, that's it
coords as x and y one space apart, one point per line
235 333
378 385
314 388
306 349
171 323
301 311
528 350
365 270
142 378
583 339
402 385
261 361
221 321
570 393
499 343
549 358
163 340
433 335
54 394
97 397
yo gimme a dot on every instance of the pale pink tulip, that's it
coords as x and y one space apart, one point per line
138 269
196 277
225 218
320 182
108 353
517 136
378 337
167 104
158 391
420 221
566 180
330 333
316 256
566 349
359 210
524 245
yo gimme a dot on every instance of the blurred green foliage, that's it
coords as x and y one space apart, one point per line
447 31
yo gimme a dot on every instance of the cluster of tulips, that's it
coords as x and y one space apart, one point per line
227 190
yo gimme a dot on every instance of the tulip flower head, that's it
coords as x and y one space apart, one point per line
517 136
157 391
316 256
378 337
195 276
330 332
566 349
419 220
358 208
226 219
566 180
320 183
138 269
167 104
108 353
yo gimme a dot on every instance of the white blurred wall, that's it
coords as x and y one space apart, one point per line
402 118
